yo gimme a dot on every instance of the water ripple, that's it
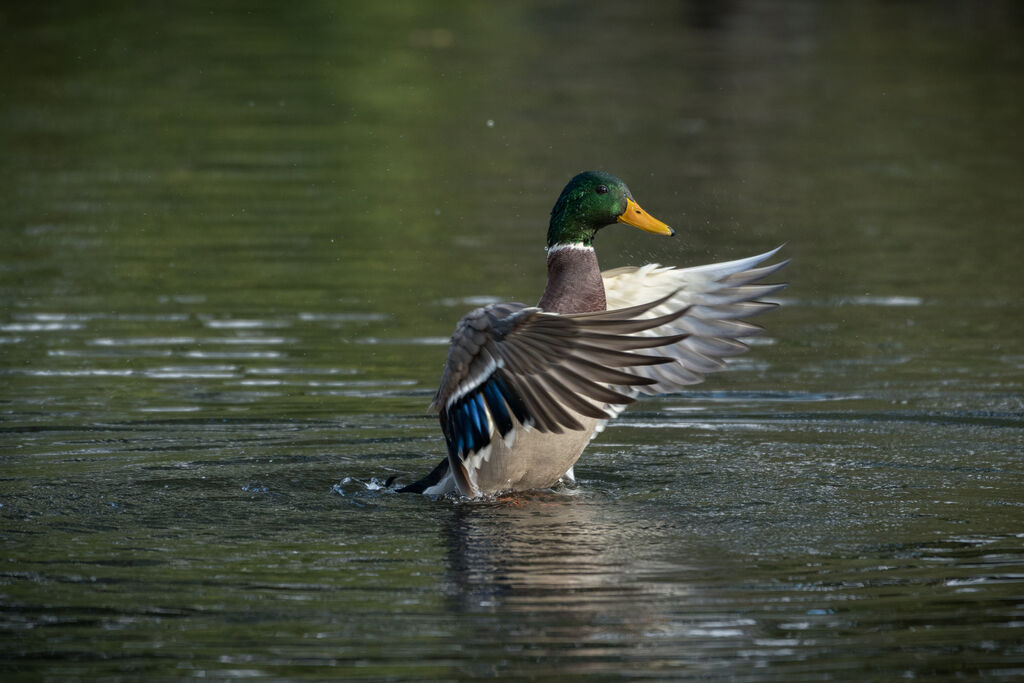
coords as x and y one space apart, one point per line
237 324
40 327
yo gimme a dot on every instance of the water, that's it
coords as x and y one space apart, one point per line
236 240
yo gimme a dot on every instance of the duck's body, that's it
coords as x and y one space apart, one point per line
524 389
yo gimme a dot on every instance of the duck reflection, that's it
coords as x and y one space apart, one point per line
567 560
580 584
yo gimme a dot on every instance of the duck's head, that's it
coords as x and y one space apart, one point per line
589 202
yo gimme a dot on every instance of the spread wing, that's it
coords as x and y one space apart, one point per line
715 297
512 367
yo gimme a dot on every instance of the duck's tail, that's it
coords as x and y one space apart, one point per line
432 479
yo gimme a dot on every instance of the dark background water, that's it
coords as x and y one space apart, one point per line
236 237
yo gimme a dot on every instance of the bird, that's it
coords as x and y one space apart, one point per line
525 388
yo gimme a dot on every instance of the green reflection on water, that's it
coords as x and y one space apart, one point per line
233 236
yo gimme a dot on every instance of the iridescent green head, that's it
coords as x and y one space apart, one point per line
591 201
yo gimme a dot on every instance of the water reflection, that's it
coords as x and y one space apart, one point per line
527 549
569 570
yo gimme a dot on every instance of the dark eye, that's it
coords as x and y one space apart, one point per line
601 189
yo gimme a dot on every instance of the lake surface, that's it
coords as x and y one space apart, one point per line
236 240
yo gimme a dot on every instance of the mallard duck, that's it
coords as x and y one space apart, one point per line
525 388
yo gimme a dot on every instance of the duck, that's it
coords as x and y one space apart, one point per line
524 388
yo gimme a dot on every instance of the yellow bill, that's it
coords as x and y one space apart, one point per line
638 218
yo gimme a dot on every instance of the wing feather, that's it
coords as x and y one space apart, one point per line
512 367
716 297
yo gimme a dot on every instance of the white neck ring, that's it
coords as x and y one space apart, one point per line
576 246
